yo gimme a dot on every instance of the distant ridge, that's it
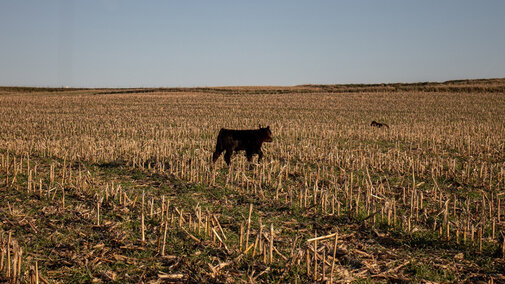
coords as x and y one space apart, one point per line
494 85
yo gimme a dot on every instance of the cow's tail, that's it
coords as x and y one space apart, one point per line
219 144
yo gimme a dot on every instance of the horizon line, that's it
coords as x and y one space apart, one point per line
256 86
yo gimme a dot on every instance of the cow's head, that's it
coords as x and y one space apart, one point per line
266 134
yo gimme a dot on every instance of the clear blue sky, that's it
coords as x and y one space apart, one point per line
116 43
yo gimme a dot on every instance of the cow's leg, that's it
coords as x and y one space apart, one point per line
249 155
260 155
227 156
216 155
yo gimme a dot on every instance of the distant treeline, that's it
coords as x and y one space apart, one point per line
454 86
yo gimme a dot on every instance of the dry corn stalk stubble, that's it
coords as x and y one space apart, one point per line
438 170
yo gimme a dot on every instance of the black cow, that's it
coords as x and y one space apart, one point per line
236 140
378 124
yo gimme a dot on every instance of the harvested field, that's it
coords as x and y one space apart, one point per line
117 185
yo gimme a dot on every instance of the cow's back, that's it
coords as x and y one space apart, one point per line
239 139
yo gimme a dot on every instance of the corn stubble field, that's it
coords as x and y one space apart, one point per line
117 185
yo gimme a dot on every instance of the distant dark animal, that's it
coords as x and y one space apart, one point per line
238 140
378 124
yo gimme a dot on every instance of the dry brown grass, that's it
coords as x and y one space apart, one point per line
117 185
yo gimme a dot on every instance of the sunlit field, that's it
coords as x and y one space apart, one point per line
118 185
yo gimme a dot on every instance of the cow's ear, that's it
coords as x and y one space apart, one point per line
259 125
268 127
